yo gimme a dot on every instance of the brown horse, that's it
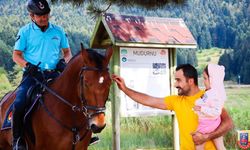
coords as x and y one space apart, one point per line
71 108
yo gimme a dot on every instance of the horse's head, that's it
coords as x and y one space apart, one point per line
94 87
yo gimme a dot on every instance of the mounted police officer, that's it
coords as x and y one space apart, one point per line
38 49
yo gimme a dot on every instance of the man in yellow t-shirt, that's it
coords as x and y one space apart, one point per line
186 81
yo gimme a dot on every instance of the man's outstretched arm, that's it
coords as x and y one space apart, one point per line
139 97
225 126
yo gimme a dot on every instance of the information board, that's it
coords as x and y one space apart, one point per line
145 70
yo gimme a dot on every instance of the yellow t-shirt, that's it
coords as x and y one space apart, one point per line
187 119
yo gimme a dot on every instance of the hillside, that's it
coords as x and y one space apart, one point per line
206 56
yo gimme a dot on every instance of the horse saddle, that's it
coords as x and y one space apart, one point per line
32 96
7 120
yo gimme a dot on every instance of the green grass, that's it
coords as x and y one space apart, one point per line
208 56
239 98
138 133
238 107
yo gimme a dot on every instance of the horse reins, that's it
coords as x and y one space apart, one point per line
85 108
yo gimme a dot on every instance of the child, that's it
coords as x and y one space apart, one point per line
210 105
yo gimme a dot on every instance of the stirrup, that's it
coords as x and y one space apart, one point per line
94 140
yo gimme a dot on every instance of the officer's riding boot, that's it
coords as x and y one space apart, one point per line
17 130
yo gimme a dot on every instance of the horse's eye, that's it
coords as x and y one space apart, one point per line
86 82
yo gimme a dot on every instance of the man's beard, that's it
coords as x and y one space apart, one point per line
182 92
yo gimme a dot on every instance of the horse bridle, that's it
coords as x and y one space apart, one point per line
85 106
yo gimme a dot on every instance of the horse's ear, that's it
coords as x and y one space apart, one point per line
84 54
108 54
82 47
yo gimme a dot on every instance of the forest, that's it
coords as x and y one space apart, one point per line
214 23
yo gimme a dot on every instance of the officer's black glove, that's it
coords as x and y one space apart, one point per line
61 65
31 69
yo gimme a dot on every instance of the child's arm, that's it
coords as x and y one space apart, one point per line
212 109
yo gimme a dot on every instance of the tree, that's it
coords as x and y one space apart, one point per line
186 56
5 56
5 85
96 6
144 3
226 61
245 71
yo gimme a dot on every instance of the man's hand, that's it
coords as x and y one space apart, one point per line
31 69
199 138
61 65
119 81
197 108
225 126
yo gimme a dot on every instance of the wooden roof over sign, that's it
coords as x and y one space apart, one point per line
125 30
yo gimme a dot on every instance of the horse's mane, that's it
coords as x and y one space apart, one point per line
94 56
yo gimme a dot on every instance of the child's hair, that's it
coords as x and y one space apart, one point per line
206 70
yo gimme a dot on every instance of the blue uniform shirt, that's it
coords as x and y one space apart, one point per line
38 46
